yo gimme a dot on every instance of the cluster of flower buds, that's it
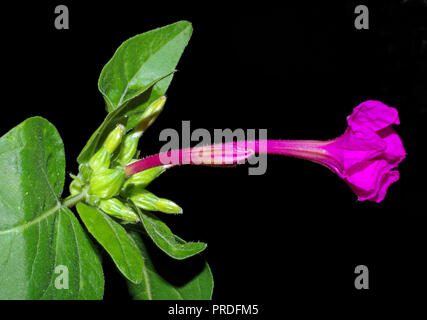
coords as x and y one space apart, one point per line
103 180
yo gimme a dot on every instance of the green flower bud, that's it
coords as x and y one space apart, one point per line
100 160
146 200
114 138
106 183
142 179
168 206
85 171
75 187
128 148
151 113
116 208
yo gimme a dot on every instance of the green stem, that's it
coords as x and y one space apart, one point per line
71 201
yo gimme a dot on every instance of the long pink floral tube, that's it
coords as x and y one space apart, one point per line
364 156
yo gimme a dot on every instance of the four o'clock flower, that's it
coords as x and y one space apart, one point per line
365 156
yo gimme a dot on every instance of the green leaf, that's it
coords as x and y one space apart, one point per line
168 279
141 61
156 53
128 115
38 236
114 238
166 240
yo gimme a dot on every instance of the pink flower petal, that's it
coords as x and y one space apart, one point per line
373 115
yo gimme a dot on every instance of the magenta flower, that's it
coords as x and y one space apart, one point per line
364 156
369 150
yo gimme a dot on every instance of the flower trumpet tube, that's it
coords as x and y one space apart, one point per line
364 156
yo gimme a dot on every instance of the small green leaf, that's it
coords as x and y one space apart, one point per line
141 61
166 240
168 279
40 240
114 238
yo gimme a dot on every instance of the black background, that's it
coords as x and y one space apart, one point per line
297 231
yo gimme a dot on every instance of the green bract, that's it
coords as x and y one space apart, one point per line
40 237
106 183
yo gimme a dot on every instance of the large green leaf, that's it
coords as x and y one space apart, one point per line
38 236
168 279
141 61
166 240
114 238
139 73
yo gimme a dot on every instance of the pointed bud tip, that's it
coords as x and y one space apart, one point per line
114 138
151 113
